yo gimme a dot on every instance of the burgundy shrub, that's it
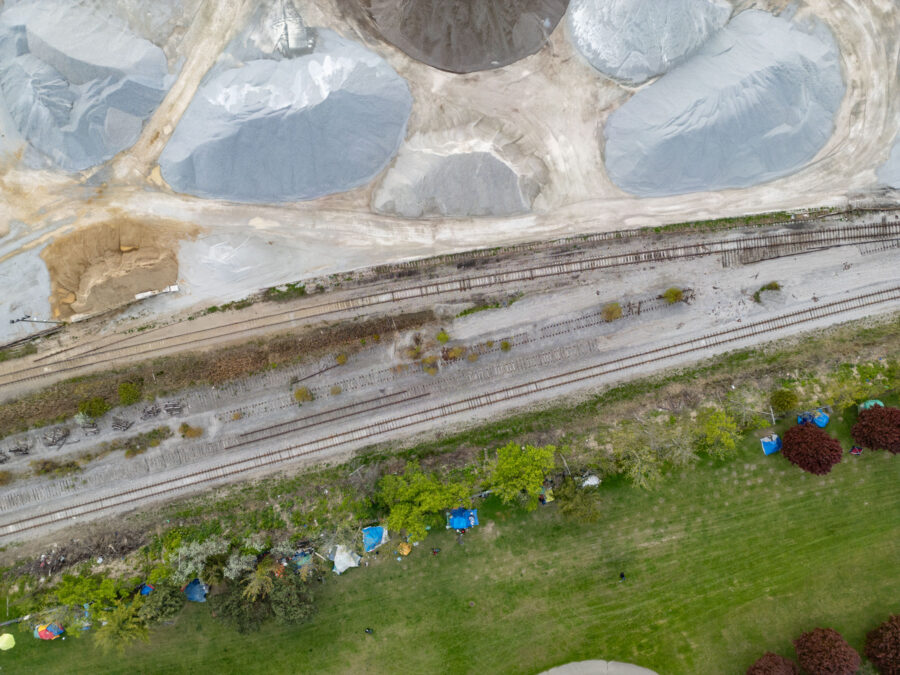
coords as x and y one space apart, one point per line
810 448
773 664
878 428
823 651
883 646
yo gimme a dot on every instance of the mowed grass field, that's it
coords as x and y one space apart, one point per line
724 561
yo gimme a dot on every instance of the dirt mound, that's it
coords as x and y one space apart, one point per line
464 36
104 265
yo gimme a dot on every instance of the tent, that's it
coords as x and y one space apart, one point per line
196 591
462 519
146 588
771 444
871 403
373 537
7 642
301 559
48 631
344 559
819 418
404 548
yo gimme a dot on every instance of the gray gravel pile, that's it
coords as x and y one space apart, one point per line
466 184
284 130
77 84
634 40
755 103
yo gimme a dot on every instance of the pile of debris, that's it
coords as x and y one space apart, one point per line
55 437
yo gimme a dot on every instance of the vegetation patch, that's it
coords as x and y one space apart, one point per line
771 286
17 352
187 431
290 291
51 467
611 311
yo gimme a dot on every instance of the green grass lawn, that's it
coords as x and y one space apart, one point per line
723 562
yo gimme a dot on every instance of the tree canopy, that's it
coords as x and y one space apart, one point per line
120 626
825 652
883 646
878 428
773 664
413 495
718 432
811 448
519 472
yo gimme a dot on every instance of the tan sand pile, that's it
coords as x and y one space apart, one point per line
104 265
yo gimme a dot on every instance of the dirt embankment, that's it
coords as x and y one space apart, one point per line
165 376
104 265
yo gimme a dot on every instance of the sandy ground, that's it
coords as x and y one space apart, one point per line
551 104
545 341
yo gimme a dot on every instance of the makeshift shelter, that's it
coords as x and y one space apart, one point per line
147 589
343 558
301 559
771 444
48 631
462 519
7 642
196 591
591 481
373 537
871 403
819 418
404 548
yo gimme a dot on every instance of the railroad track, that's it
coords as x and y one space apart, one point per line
733 251
366 433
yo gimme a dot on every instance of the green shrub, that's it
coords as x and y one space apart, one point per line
443 336
505 346
164 602
771 286
783 400
341 359
94 407
303 395
129 393
612 311
673 295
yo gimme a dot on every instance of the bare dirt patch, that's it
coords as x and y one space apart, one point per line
104 265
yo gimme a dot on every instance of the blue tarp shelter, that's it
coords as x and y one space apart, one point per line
463 519
147 589
771 444
196 591
373 537
819 418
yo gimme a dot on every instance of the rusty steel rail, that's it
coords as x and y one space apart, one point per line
373 430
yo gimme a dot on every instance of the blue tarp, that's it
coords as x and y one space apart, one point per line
196 591
146 589
463 519
819 418
771 444
301 558
373 537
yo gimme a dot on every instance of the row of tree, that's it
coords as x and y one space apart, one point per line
815 451
823 651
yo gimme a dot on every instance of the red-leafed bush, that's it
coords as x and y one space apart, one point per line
883 646
879 429
773 664
824 652
810 448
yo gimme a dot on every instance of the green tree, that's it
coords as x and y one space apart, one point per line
260 582
634 457
577 503
164 602
120 626
784 401
291 600
231 607
519 472
94 407
415 494
718 434
129 393
79 589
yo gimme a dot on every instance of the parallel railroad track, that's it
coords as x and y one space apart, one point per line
748 249
368 432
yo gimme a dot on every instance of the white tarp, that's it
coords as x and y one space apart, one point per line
344 559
